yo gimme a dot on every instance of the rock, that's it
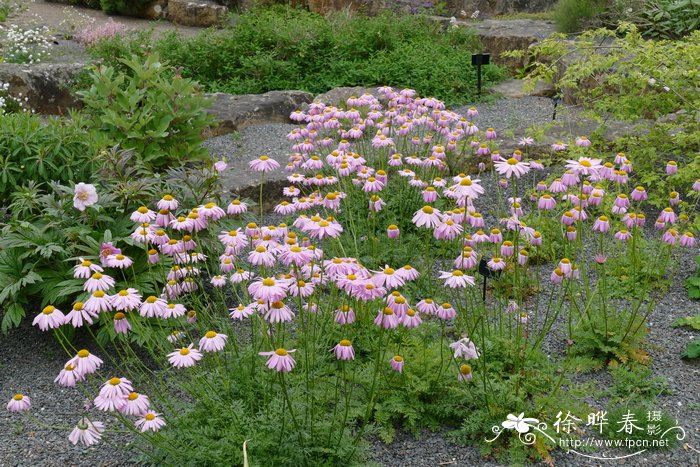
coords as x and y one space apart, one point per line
47 85
338 96
201 13
236 112
515 88
498 36
490 8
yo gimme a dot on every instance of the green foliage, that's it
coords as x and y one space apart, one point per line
693 285
61 150
635 383
148 109
124 6
618 73
286 48
665 19
571 15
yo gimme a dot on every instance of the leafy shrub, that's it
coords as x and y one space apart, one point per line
286 48
158 114
124 6
60 150
656 19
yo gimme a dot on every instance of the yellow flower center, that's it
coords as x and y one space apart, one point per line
585 163
512 161
261 249
465 182
268 282
388 311
18 397
149 417
83 353
151 299
115 381
184 351
281 352
143 209
48 310
398 359
98 294
345 343
210 335
465 369
119 316
428 209
389 271
264 158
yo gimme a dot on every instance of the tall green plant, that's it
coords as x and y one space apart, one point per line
150 109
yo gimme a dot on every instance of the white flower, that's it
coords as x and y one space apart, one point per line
652 82
85 195
519 423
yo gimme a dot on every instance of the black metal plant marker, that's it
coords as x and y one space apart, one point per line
478 60
488 273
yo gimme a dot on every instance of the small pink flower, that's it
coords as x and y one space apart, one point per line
85 195
121 324
387 319
84 269
344 350
512 166
465 372
184 357
98 281
465 348
446 312
87 432
280 360
150 421
212 342
135 404
496 264
456 279
19 403
411 319
220 166
49 318
427 217
264 164
671 168
268 289
68 376
392 232
397 363
344 315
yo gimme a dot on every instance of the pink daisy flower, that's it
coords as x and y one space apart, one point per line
446 312
240 312
584 166
79 314
260 256
135 404
98 281
512 166
392 232
388 278
98 302
427 306
84 269
268 289
121 324
167 202
184 357
496 264
153 307
143 214
264 164
127 299
345 315
428 217
344 350
236 207
456 279
387 319
278 312
19 403
49 318
397 363
411 319
87 432
68 376
280 360
212 342
150 421
465 348
465 372
85 362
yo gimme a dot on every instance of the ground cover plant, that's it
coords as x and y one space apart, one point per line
227 338
291 48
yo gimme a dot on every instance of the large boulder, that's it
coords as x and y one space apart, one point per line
236 112
490 8
201 13
45 85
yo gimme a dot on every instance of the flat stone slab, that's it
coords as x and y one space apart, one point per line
46 85
339 96
236 112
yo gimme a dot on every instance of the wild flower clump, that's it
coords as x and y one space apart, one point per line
9 103
26 45
91 35
298 338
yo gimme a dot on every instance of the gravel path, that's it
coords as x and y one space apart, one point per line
42 13
30 360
